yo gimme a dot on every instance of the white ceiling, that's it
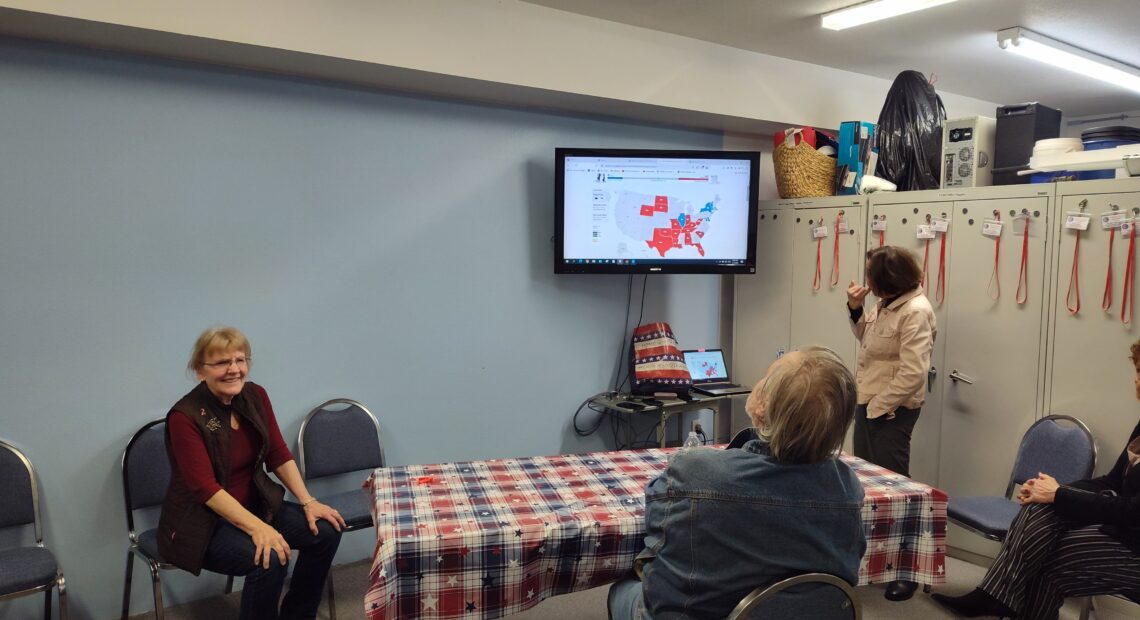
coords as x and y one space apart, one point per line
956 42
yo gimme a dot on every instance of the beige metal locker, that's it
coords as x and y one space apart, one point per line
763 303
820 279
967 434
900 220
1091 377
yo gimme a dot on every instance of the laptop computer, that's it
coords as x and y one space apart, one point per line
710 373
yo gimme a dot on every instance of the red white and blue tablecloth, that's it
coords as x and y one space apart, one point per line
485 539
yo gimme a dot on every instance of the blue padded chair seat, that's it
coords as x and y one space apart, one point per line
992 515
148 542
353 506
25 568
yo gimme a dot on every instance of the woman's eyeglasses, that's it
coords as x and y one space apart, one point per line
241 362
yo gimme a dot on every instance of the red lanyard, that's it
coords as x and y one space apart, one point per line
1126 305
1074 279
835 263
940 289
818 250
1106 301
1022 292
925 272
881 237
995 277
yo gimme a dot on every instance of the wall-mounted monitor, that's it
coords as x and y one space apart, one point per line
649 211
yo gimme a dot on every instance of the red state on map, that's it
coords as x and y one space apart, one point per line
665 239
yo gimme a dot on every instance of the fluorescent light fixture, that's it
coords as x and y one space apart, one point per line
873 11
1051 51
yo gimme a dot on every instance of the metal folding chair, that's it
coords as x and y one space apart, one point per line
26 570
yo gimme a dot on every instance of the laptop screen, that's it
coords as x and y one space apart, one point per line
706 366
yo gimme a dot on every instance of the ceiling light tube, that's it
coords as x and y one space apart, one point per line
874 11
1051 51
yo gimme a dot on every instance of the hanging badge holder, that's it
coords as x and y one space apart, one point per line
879 223
1077 221
925 231
1112 220
940 224
991 228
819 232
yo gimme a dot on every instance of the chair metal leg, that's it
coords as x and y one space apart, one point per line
156 584
127 584
229 583
47 603
332 597
1086 607
62 585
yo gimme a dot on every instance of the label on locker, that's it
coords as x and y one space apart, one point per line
819 232
1077 221
940 224
1112 219
878 224
991 228
925 231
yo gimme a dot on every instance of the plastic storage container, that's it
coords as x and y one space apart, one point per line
1107 138
1055 146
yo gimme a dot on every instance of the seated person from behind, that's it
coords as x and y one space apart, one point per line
720 523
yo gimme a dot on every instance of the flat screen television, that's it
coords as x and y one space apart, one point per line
653 211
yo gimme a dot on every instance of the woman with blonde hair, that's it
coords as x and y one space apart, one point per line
722 522
222 512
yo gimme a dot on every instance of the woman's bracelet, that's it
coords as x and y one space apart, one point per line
307 502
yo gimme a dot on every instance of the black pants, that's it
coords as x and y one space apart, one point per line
885 442
231 553
1045 559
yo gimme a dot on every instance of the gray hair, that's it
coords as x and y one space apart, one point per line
809 406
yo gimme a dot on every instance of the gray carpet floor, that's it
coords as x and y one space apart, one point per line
352 581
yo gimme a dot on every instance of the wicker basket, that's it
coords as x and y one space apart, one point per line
802 171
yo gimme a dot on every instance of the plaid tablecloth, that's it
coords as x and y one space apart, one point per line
485 539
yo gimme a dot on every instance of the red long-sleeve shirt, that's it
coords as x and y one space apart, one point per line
194 462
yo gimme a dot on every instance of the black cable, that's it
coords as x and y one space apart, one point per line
618 381
601 418
640 316
642 313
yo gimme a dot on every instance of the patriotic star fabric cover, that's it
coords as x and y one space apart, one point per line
656 362
485 539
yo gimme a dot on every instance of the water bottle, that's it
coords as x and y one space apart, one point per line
691 441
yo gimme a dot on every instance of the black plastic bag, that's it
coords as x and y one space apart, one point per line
910 134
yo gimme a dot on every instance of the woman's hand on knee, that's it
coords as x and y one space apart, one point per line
316 510
267 540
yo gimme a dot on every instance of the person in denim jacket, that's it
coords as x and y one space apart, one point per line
720 523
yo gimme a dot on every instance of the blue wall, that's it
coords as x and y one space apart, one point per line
387 248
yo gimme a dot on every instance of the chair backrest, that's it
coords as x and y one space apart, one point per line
337 440
1059 445
146 469
19 492
811 596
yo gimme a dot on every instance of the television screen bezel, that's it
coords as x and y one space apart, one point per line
560 266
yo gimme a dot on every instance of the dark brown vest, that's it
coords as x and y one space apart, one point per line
186 524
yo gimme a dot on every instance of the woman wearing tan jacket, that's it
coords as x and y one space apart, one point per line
896 338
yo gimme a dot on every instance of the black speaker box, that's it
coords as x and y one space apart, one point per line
1019 127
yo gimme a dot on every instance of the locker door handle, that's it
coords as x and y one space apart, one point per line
931 375
956 377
